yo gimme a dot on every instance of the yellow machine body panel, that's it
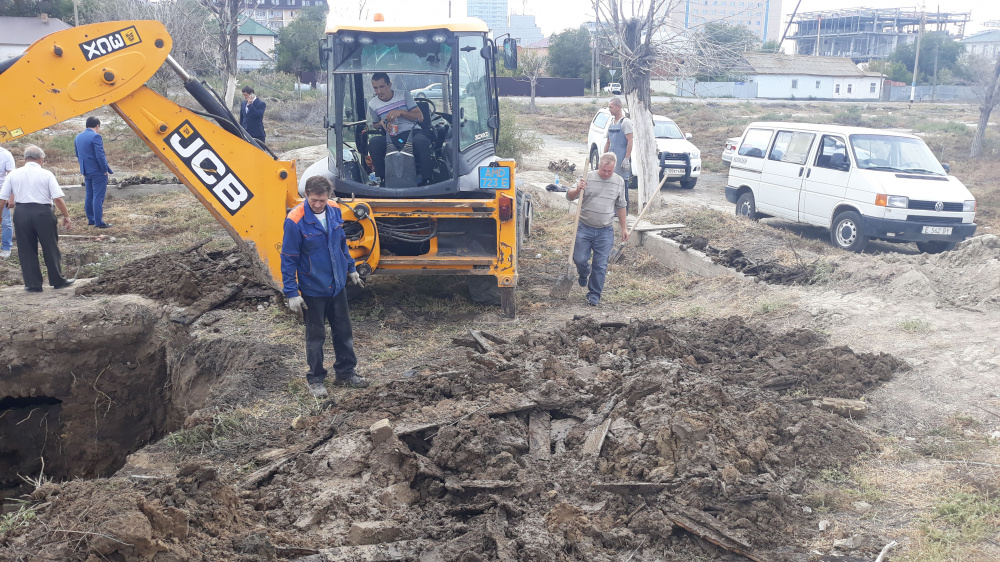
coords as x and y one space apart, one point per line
242 186
77 70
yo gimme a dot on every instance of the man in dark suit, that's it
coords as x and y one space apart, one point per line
252 114
89 147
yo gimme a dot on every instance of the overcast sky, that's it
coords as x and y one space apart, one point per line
554 16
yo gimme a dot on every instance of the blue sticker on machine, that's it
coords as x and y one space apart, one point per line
494 177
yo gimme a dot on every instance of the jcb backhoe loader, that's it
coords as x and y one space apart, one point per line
460 217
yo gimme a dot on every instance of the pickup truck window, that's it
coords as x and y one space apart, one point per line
755 143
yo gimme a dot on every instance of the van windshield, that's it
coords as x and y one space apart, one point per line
894 154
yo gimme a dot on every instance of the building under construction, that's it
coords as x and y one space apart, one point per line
866 34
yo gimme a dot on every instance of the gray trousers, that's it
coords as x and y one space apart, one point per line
34 224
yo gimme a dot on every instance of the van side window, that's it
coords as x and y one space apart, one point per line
791 147
755 143
832 154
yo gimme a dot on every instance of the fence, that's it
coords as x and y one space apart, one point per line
544 87
960 94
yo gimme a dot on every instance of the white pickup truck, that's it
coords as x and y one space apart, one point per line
613 88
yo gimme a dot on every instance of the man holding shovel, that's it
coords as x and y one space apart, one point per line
603 194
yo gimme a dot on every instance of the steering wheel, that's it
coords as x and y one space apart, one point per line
430 103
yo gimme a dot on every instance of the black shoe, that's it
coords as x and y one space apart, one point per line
90 223
68 282
32 290
354 381
593 302
105 225
582 280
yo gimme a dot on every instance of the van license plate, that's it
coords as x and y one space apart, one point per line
946 230
676 171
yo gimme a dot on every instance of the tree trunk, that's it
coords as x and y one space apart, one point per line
977 139
644 163
231 93
531 106
989 100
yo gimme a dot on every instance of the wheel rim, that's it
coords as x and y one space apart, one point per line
745 209
847 233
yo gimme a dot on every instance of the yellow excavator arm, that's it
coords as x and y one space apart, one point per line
77 70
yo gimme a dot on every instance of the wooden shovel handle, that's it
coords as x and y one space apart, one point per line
646 208
576 222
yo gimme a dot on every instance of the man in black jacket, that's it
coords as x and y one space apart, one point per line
252 114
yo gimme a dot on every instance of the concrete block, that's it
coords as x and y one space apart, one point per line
380 431
669 253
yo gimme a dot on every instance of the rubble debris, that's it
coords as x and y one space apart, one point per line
597 441
562 165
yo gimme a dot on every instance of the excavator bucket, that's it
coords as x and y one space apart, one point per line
77 70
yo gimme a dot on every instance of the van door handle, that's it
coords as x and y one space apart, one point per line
800 172
809 171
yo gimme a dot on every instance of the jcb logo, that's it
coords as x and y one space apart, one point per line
110 43
208 167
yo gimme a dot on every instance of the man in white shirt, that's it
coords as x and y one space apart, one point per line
32 191
7 234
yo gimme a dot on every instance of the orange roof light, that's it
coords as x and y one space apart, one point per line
378 17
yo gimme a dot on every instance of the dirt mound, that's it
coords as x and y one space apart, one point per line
595 440
186 277
968 276
767 270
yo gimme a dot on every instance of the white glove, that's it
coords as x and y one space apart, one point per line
297 305
627 165
355 279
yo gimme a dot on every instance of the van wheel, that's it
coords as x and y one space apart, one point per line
595 159
746 206
848 232
935 247
689 184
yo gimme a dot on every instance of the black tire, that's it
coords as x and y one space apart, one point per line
595 158
746 206
935 247
689 184
847 232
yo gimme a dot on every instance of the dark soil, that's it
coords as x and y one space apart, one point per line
497 454
185 277
768 271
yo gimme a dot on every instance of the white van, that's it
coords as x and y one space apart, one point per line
860 183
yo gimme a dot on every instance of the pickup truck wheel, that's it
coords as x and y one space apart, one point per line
935 247
746 206
848 232
595 158
689 184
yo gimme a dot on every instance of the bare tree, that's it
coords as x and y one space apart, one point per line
227 18
640 32
986 87
532 67
184 20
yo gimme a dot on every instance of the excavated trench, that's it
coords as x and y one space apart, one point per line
89 381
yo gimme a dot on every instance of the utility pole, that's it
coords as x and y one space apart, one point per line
76 14
916 58
595 75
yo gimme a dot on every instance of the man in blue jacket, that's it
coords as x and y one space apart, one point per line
252 114
315 267
89 148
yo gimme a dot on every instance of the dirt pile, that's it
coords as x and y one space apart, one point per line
968 276
193 278
766 270
595 441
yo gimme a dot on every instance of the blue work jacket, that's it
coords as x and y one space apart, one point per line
314 262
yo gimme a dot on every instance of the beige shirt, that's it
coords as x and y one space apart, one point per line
31 184
602 199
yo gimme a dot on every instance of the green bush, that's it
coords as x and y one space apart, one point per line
515 140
